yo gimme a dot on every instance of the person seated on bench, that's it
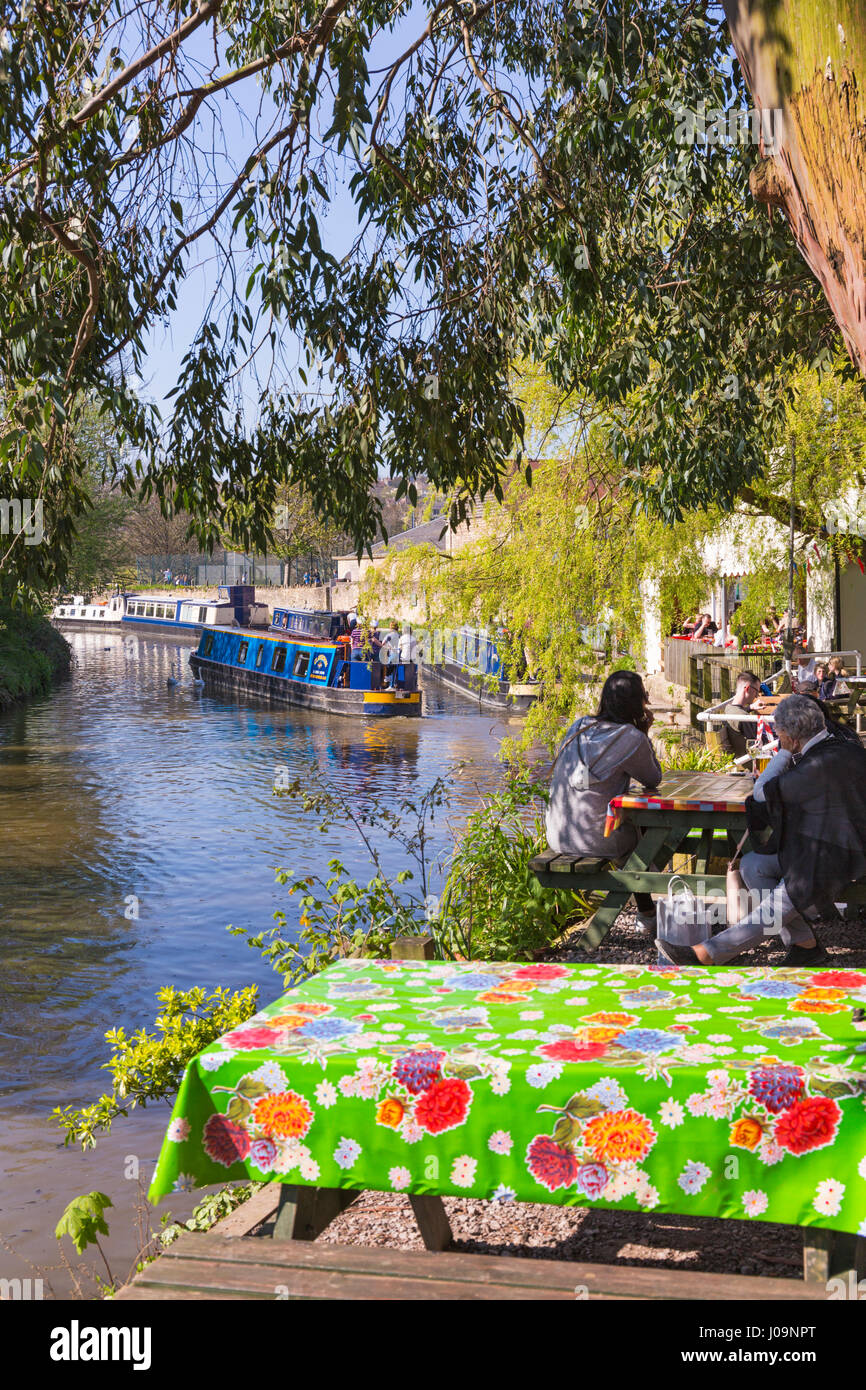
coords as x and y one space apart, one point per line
813 796
732 737
594 763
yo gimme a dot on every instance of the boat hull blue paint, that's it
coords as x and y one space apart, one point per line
289 667
282 690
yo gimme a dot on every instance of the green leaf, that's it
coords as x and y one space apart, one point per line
82 1220
250 1088
582 1106
238 1109
821 1086
566 1130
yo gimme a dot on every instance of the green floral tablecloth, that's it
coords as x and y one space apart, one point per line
724 1092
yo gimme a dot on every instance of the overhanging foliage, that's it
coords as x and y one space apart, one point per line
517 183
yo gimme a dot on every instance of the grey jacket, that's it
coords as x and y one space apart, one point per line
613 753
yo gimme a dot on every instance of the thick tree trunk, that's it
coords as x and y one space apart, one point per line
806 59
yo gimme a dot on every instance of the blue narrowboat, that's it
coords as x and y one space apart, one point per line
304 659
467 659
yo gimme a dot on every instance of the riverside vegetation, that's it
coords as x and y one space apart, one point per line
33 656
490 906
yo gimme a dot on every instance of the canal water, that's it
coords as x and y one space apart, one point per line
120 795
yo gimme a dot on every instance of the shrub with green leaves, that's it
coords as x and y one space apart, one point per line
492 906
149 1066
682 757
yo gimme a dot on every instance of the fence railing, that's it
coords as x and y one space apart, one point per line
677 656
712 675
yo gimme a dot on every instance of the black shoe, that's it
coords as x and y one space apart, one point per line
806 955
677 955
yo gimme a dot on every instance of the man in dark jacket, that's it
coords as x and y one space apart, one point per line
813 798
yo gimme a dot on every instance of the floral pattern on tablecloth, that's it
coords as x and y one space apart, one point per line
715 1092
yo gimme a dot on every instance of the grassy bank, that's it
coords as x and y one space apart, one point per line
33 656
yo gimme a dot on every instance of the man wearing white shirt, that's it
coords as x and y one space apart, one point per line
407 647
805 668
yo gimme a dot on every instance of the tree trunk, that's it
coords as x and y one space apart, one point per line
803 60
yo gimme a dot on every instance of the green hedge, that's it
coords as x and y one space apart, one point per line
33 656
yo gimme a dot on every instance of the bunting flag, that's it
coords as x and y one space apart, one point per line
816 550
860 563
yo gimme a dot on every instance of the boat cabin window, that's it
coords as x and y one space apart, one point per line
208 644
260 656
202 615
302 664
285 620
279 661
102 614
242 653
149 612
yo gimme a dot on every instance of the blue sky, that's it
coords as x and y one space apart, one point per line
168 343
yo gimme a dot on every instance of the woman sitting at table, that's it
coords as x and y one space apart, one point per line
836 670
594 763
813 796
770 624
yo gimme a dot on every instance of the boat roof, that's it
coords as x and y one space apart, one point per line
311 612
269 635
150 597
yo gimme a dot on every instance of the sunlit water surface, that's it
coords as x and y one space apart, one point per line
119 794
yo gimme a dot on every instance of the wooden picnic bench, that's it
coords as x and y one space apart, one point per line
268 1248
713 804
682 803
229 1262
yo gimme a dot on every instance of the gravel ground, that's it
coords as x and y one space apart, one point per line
537 1231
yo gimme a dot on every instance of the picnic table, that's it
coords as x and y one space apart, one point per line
683 802
856 690
721 1093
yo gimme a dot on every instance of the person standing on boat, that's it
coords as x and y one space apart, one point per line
595 762
407 647
407 656
375 663
357 640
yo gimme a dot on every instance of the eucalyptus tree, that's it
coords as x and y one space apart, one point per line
805 63
391 200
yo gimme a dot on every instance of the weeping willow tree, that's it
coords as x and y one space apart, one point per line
566 571
563 569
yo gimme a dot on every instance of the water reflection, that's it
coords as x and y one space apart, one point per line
119 785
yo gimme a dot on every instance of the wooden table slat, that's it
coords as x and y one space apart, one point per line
219 1266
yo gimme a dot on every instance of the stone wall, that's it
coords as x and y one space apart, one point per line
321 597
